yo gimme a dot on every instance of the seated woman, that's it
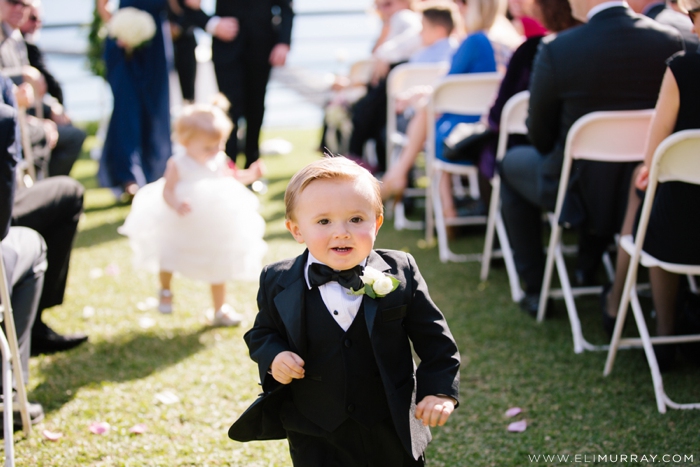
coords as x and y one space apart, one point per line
475 55
673 231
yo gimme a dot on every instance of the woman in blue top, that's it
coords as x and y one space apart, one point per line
475 55
138 138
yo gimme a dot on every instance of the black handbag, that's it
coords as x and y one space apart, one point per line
466 141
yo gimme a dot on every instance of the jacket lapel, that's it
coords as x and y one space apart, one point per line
371 304
290 303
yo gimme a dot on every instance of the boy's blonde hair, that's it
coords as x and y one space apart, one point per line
330 168
203 120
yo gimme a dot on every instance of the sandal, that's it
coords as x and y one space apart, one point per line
165 305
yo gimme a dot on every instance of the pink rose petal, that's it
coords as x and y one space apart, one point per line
99 428
518 427
51 435
138 429
513 411
112 270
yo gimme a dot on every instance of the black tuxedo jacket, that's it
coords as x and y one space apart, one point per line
261 28
406 315
616 61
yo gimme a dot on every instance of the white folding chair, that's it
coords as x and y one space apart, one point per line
26 171
513 119
612 136
676 159
400 79
465 94
9 349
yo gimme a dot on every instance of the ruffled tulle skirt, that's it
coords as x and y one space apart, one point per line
220 239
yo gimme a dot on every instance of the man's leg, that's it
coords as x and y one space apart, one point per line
24 256
67 150
229 77
255 77
522 214
52 207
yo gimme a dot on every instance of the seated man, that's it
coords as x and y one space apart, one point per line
62 140
613 62
23 253
52 207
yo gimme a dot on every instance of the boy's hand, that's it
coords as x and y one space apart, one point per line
287 366
435 410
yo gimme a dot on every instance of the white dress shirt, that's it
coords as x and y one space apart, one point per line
342 305
604 6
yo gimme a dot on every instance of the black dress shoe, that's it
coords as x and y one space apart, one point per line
530 303
607 320
47 341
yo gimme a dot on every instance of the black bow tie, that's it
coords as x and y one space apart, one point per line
319 274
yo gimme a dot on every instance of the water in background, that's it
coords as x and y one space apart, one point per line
328 36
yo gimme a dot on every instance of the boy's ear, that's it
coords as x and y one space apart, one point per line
380 221
293 228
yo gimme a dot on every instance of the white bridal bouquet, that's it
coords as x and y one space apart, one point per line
131 27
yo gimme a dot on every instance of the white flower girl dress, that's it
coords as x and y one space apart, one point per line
220 239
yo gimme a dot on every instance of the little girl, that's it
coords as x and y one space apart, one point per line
199 219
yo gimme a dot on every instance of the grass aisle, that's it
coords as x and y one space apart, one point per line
135 356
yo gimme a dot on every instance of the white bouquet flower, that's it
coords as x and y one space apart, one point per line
131 27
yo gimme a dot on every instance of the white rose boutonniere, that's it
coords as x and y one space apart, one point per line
131 27
377 284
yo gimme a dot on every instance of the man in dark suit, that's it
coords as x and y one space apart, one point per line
613 62
348 392
263 32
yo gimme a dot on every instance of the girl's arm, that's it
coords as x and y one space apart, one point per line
662 124
171 177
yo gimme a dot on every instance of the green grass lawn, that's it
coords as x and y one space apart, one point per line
135 355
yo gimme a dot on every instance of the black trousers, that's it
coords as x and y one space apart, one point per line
369 123
351 445
522 203
52 207
67 150
244 83
186 63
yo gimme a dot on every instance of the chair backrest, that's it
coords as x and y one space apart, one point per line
408 75
465 94
361 71
678 158
462 94
402 78
513 120
609 136
606 136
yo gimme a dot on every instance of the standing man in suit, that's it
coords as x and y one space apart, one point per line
250 37
613 62
664 14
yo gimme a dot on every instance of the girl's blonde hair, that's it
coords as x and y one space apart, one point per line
481 14
203 120
330 168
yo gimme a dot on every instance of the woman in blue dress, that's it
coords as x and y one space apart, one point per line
137 145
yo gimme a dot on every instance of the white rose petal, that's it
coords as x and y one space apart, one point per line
370 275
383 285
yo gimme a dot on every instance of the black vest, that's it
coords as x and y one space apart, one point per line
341 375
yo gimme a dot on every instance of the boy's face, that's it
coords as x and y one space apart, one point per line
337 221
431 33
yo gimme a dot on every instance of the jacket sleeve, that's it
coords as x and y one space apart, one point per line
267 337
194 18
438 371
8 164
286 15
545 104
